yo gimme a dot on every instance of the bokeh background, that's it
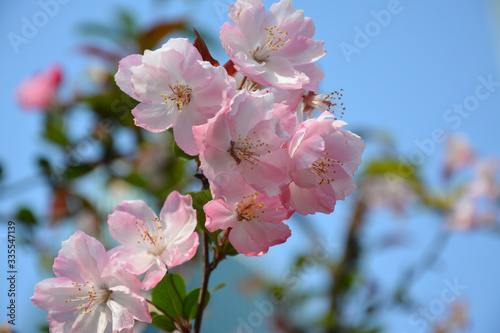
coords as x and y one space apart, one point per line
402 74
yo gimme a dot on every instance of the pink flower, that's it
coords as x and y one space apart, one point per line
151 244
478 205
325 159
39 91
387 191
274 47
255 220
90 294
176 89
243 144
459 154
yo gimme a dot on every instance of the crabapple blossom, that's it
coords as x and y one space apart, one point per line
255 220
478 205
90 293
387 191
325 159
39 91
176 89
243 144
151 244
273 48
458 154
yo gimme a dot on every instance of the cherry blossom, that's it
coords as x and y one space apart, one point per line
478 205
458 154
176 89
254 219
325 159
243 144
151 244
90 293
39 91
274 47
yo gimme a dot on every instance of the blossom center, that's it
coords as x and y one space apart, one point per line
248 209
325 102
179 95
149 237
275 40
245 149
92 297
323 168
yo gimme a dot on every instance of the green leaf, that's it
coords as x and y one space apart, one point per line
191 305
54 129
136 180
169 295
178 152
220 286
229 250
25 215
200 198
76 171
162 322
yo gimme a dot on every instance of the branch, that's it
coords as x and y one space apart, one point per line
207 270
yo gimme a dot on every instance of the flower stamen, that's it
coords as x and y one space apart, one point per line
180 96
247 209
275 40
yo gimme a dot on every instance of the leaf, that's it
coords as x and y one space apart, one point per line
162 322
229 250
200 198
150 38
76 171
169 295
54 129
199 43
220 286
178 152
191 305
25 215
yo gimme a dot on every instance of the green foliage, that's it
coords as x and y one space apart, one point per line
162 322
54 128
169 295
25 215
200 198
191 304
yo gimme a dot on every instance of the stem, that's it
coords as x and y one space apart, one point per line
207 270
347 266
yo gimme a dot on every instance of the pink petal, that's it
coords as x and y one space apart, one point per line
219 215
124 75
122 223
154 117
81 257
154 275
180 218
52 294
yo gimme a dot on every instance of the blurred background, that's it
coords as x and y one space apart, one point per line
411 250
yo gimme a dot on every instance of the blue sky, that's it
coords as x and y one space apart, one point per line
402 72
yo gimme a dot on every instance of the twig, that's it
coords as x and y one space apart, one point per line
207 270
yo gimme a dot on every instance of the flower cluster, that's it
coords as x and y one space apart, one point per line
264 157
99 291
261 159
